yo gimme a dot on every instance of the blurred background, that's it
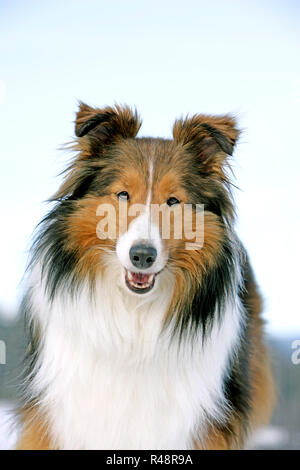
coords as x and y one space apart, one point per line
167 58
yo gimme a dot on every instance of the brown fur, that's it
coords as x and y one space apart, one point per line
196 158
82 234
34 433
207 135
117 122
262 390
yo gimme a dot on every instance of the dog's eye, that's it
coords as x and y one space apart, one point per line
172 201
123 195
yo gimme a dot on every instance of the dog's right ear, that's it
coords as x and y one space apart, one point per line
104 126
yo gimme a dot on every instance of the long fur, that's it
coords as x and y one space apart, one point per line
175 368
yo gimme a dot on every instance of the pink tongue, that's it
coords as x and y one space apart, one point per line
141 278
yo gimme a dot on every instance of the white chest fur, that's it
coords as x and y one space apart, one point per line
107 379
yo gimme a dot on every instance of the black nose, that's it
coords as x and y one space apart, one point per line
142 256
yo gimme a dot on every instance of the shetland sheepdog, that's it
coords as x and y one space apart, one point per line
144 330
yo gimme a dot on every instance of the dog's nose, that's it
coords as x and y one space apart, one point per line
142 256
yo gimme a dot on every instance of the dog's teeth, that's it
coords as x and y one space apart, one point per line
139 285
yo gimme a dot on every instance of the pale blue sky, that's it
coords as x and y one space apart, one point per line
167 58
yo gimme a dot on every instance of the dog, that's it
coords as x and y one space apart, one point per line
141 337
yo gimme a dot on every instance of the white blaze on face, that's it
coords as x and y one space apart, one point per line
144 230
149 196
141 230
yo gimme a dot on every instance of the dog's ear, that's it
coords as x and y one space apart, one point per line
209 138
104 126
96 129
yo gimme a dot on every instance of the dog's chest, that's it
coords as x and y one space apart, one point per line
98 402
106 381
153 407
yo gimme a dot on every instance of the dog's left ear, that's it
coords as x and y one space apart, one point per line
104 126
209 138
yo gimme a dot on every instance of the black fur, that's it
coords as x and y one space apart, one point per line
93 122
238 382
209 301
221 140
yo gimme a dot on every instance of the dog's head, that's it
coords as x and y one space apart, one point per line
146 206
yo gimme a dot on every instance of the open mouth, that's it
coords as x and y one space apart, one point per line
139 283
